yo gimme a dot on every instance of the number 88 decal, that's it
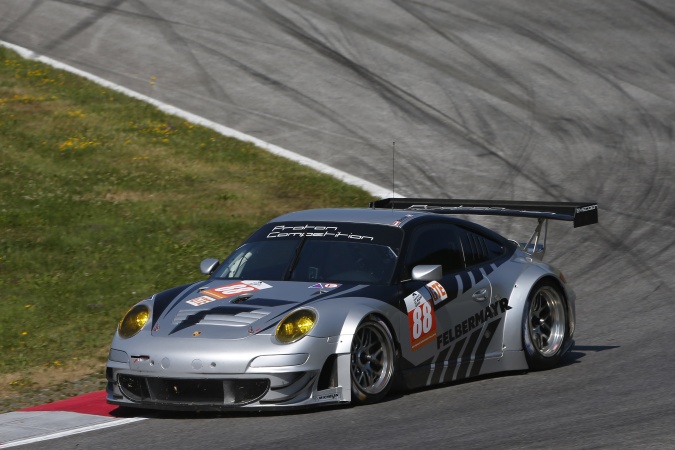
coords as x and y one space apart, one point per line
421 319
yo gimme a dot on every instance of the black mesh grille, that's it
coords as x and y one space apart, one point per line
186 391
133 387
194 391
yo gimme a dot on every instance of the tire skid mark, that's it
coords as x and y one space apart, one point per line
408 103
82 25
180 44
559 48
112 7
385 89
640 262
392 94
658 13
14 25
285 89
483 60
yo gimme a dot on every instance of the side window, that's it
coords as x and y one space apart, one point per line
478 249
435 243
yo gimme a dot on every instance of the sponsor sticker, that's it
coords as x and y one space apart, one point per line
422 316
587 208
437 291
399 222
283 231
490 314
233 289
200 300
324 286
329 395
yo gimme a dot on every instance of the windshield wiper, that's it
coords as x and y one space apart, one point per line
296 257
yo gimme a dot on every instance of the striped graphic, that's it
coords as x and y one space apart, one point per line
466 356
464 281
482 347
449 366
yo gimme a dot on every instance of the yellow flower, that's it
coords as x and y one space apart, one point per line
76 113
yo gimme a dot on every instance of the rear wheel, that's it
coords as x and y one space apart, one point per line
545 326
372 361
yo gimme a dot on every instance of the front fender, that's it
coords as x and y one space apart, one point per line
341 318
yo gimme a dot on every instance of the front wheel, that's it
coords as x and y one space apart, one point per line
372 361
545 326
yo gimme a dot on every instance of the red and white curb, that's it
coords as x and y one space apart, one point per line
76 415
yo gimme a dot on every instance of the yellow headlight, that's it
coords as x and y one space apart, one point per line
133 321
295 325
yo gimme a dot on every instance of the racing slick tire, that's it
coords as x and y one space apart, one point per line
373 356
545 328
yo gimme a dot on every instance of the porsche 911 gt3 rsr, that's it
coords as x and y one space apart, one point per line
334 306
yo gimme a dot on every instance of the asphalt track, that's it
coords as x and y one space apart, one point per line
521 100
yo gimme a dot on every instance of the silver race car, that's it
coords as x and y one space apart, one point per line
333 306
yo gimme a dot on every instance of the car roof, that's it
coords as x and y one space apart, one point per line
353 215
387 217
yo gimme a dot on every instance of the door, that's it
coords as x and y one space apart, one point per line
448 317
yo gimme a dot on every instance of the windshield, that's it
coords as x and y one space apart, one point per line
344 253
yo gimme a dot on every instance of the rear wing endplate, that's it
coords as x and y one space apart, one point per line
579 213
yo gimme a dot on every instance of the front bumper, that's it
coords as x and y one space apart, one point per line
253 373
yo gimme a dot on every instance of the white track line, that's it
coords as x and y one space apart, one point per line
367 186
74 431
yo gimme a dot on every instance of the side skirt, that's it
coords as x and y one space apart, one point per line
458 369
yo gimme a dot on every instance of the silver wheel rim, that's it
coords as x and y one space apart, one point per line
547 321
372 356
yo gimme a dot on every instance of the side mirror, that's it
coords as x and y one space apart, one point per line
427 272
209 265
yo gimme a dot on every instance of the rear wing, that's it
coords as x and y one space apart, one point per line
579 213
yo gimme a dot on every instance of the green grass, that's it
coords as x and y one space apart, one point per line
105 200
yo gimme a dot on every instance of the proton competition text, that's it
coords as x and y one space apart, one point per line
281 231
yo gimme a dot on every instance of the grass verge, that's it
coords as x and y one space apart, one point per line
105 200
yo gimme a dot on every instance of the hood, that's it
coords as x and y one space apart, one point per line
235 309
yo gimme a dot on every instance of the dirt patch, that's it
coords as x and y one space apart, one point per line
48 384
